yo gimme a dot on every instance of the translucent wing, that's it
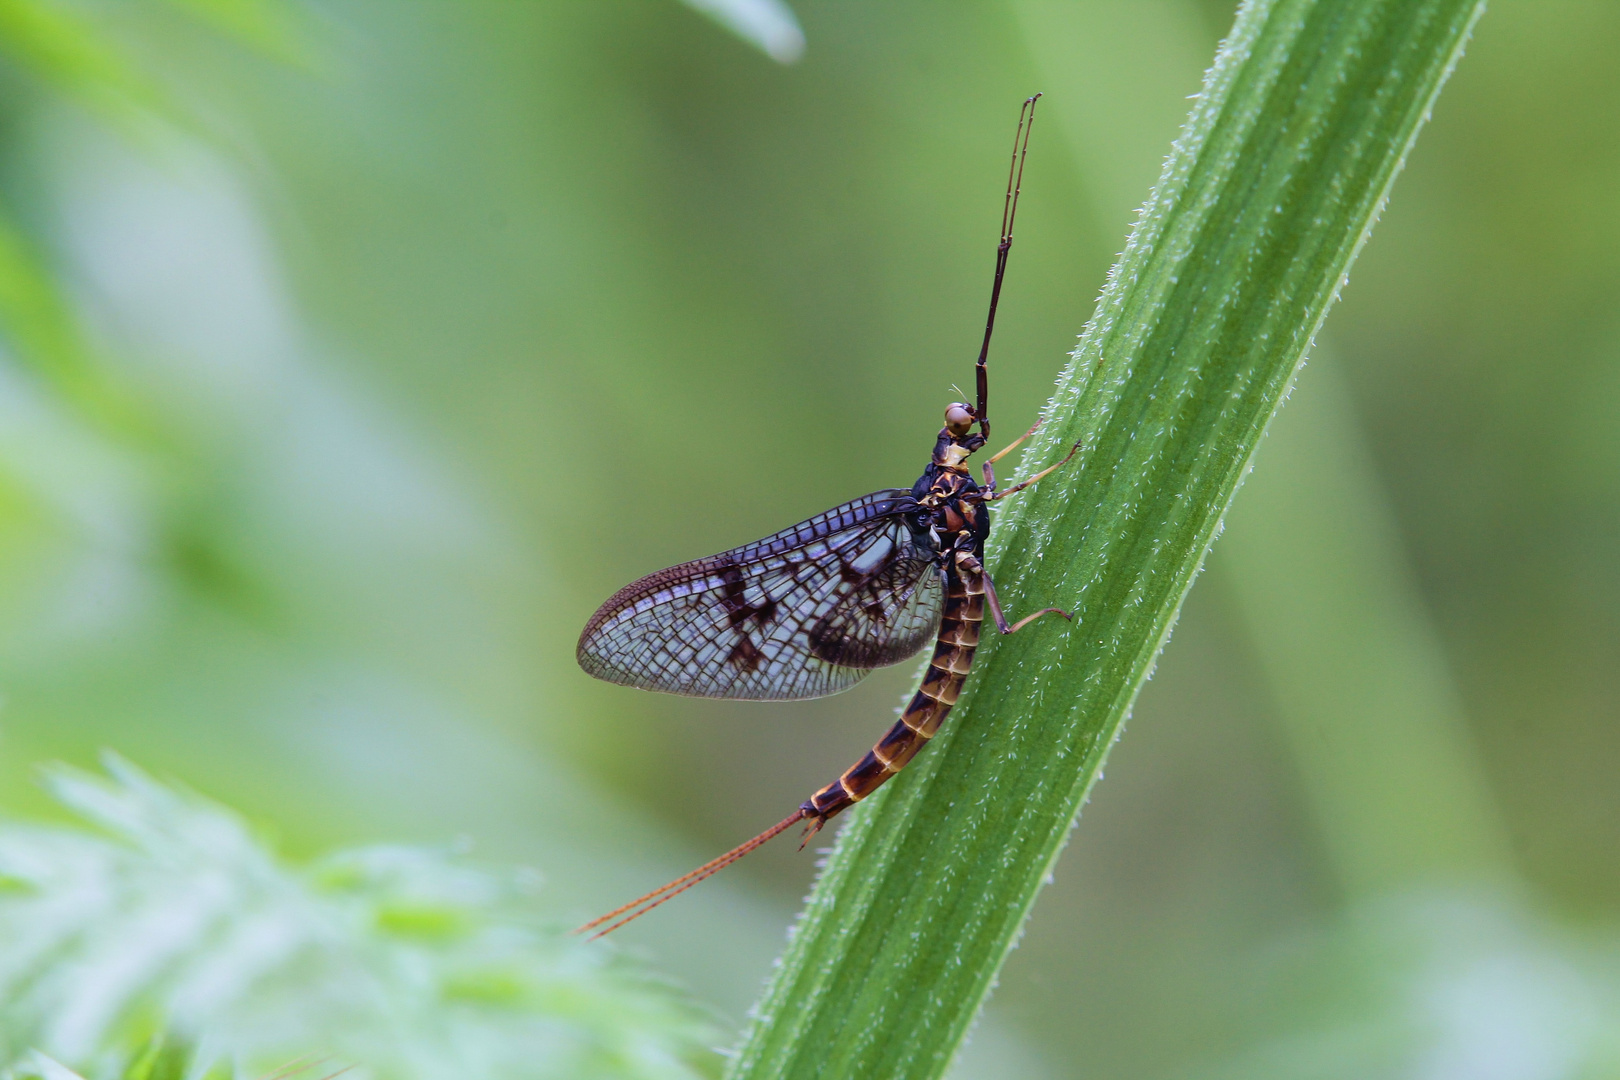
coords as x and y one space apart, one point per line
803 613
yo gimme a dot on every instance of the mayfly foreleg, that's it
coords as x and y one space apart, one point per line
988 472
1049 470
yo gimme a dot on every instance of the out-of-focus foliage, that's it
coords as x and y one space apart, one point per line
768 24
376 370
1439 984
173 922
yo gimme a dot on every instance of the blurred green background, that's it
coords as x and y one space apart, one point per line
355 351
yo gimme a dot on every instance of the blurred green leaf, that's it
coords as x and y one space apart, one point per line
768 25
1268 195
75 56
44 334
69 52
270 27
37 1066
175 918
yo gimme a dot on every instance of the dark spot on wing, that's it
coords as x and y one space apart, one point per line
734 594
828 641
732 585
745 654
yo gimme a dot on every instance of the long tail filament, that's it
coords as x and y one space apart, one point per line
638 907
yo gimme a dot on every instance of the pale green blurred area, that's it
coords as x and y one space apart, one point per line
415 338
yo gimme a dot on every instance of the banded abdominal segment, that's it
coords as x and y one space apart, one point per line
954 647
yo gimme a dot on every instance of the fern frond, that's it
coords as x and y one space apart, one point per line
172 917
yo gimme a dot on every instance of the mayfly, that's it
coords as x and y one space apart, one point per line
813 609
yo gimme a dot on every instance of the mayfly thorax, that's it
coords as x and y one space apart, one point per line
813 609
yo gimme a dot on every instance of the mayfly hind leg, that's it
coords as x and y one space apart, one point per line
1001 620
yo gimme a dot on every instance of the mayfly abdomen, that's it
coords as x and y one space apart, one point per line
942 683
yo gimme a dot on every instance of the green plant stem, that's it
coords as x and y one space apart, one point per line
1305 118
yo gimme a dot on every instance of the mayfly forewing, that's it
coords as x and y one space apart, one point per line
755 622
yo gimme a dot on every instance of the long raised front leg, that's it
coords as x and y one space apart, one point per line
1016 488
989 473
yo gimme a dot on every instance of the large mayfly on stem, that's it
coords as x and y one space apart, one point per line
813 609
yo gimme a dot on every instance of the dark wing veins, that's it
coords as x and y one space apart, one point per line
803 613
884 617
